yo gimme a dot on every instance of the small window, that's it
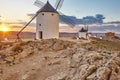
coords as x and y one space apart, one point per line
43 14
52 14
39 24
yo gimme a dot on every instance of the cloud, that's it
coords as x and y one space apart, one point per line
95 24
0 19
98 18
100 28
103 28
24 23
107 28
113 22
19 24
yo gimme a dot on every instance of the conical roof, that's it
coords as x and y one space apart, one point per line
82 30
47 8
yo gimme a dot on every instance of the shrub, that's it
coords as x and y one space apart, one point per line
116 37
17 48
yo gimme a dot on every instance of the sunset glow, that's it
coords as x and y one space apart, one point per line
4 28
19 16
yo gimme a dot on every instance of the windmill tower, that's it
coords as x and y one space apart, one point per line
83 32
47 22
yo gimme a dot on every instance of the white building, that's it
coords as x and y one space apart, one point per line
47 23
83 33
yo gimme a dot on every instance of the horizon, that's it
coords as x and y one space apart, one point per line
59 32
79 9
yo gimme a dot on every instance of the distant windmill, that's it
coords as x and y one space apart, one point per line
47 20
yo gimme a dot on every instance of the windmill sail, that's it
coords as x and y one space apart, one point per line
58 4
39 3
18 37
65 19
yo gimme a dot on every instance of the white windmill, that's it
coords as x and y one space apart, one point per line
47 20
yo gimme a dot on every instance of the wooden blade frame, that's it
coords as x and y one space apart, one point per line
67 20
38 3
59 4
18 37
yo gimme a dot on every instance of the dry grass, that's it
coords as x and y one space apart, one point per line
105 45
17 48
4 45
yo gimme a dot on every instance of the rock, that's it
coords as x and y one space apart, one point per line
58 46
9 59
92 77
73 64
106 74
55 63
25 53
89 48
59 76
2 62
1 71
17 48
24 77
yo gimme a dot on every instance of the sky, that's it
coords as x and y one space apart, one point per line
14 12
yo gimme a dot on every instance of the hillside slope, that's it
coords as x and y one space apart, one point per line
55 59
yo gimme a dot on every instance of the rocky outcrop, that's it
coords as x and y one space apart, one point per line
88 65
24 49
57 60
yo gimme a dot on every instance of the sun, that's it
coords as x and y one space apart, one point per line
4 28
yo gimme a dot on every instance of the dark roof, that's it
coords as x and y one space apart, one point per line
47 8
83 30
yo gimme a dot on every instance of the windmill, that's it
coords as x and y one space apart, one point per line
43 16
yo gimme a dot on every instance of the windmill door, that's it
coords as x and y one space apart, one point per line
40 34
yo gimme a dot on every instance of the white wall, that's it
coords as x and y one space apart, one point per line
49 25
82 35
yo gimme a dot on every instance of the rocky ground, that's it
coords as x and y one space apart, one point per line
57 60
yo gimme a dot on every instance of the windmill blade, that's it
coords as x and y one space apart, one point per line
65 19
39 3
58 4
18 34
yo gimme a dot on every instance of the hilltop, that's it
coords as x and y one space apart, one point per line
56 59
